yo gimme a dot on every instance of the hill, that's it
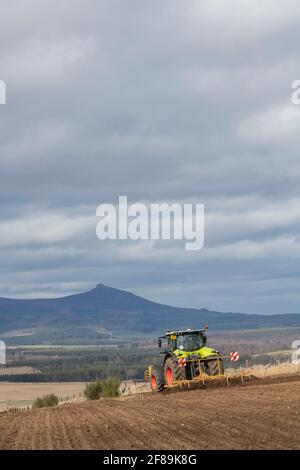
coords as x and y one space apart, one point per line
120 312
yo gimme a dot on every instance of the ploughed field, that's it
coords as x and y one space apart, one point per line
263 414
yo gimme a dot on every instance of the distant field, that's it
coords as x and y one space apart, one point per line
286 368
61 346
17 371
286 352
15 395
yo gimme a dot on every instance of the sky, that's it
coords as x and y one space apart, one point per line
162 101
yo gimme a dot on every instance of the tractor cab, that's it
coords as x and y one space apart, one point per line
183 342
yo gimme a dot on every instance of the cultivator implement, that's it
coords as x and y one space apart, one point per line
187 362
202 378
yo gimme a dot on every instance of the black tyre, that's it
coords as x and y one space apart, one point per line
173 372
156 379
214 366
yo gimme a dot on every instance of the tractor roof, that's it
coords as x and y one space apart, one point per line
184 332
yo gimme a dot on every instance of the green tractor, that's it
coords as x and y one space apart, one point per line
185 357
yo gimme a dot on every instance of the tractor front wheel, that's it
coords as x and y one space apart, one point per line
173 372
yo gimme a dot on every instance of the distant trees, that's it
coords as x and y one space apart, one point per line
80 365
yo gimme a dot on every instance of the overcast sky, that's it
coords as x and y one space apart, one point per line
163 101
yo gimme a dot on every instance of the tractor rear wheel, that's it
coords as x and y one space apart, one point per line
173 372
156 380
214 366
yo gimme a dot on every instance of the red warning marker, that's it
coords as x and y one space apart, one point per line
234 356
182 361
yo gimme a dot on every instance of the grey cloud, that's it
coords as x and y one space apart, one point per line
162 101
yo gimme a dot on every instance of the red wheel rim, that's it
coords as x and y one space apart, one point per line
153 383
169 374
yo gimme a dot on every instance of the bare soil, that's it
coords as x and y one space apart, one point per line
264 414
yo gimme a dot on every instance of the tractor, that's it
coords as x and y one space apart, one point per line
185 357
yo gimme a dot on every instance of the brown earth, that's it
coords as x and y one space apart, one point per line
264 414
